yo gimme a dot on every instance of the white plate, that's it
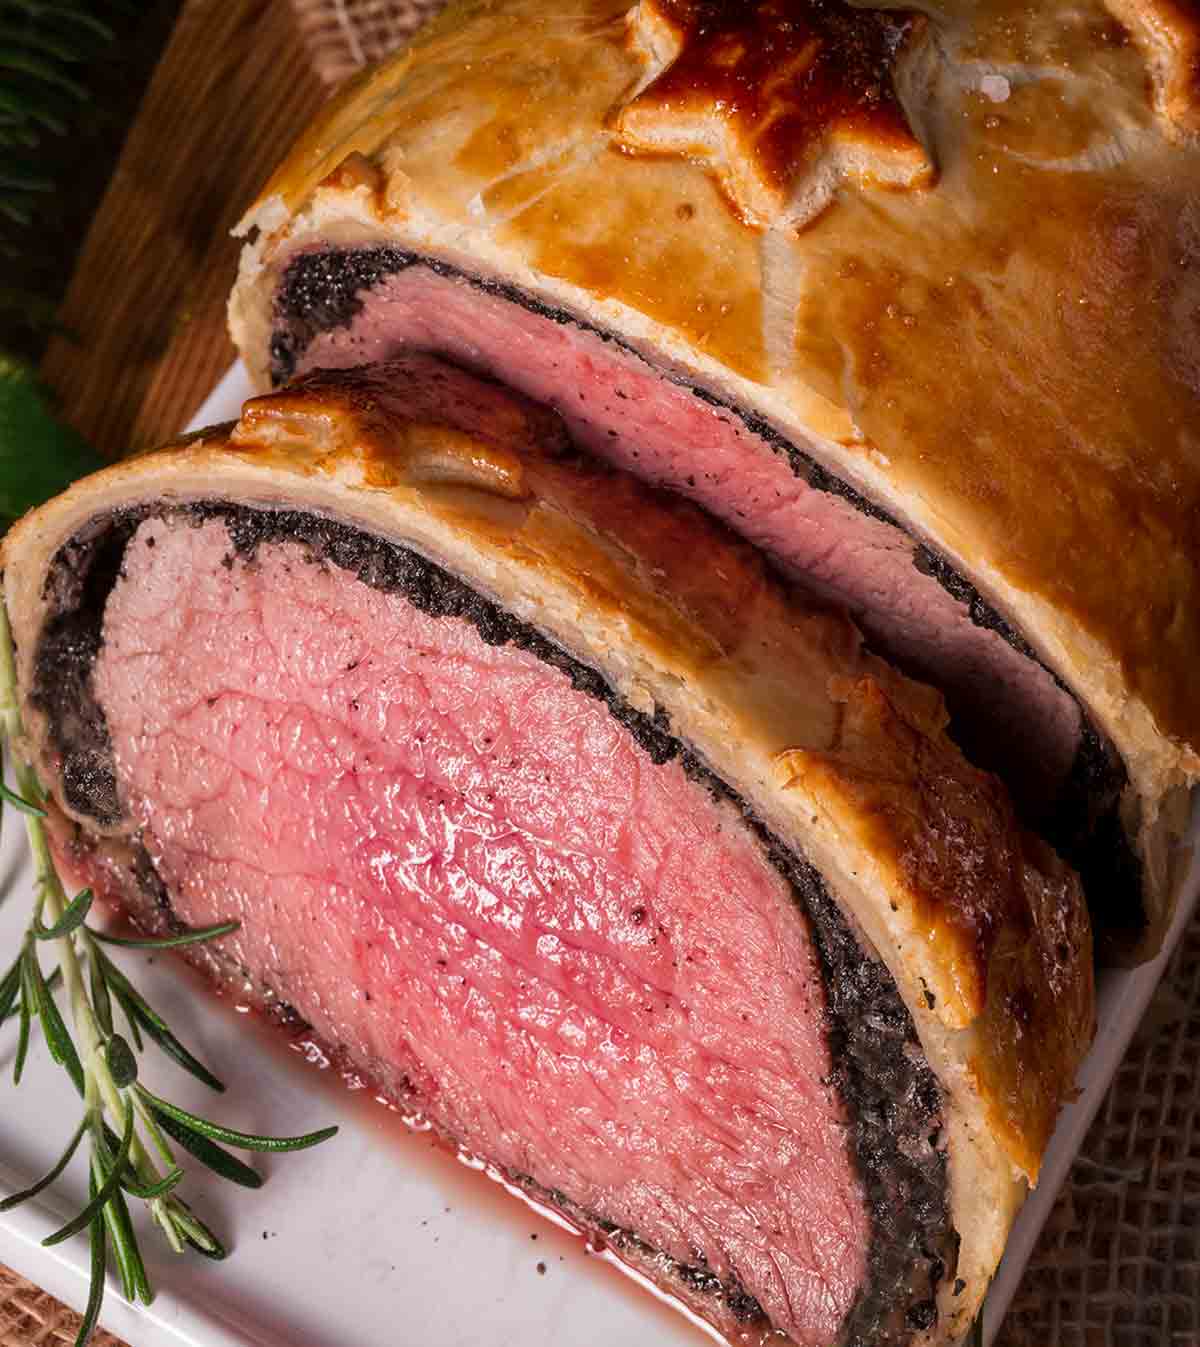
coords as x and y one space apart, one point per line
377 1239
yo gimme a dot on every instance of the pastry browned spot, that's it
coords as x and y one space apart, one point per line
1168 33
784 99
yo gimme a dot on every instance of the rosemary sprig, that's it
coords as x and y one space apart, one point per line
128 1128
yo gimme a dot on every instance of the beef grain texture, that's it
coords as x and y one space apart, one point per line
463 903
338 308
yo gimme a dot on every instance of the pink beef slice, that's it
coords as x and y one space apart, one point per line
490 887
1010 715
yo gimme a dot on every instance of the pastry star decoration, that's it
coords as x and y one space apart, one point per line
783 99
1168 34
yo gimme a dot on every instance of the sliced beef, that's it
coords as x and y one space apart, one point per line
516 902
339 309
641 881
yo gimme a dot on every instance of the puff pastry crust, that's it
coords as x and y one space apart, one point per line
984 930
1001 353
782 101
1168 31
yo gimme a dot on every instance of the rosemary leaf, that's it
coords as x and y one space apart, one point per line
26 1017
139 1280
122 1064
107 1141
91 1313
209 1153
121 1247
107 1144
116 1214
107 1188
135 1283
53 981
195 1232
101 1001
63 1161
61 1046
10 985
154 1026
20 802
154 1029
71 919
248 1141
195 937
149 1191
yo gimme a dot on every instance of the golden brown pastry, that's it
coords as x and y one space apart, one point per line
474 736
907 296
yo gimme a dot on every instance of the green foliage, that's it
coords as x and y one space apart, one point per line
71 73
38 455
42 45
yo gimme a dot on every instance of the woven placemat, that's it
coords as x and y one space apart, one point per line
31 1318
345 35
1118 1264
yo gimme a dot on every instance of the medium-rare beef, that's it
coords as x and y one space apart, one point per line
641 880
962 407
342 309
339 309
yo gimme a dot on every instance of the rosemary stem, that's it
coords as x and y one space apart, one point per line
152 1128
10 715
100 1090
99 1086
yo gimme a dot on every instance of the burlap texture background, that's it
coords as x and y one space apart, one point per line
345 35
31 1318
1118 1264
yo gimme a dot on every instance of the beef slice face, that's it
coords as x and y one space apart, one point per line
525 911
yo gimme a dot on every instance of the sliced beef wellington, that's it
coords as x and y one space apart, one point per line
560 817
906 298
